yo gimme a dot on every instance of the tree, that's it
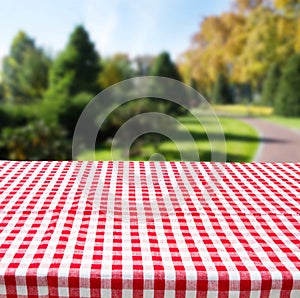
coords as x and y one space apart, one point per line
76 69
243 43
70 111
288 26
289 7
270 86
164 67
243 93
287 102
1 92
115 69
222 93
143 64
25 70
244 6
259 49
214 49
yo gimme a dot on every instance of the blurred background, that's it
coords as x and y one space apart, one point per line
242 55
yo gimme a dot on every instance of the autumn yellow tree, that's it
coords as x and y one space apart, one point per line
259 48
212 50
115 69
243 43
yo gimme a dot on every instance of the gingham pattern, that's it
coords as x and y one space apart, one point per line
122 229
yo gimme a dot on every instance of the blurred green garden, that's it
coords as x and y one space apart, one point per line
246 62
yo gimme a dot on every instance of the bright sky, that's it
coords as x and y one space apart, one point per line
130 26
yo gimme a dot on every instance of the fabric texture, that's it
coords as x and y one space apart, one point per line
149 229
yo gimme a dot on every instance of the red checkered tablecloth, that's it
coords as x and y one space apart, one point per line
149 229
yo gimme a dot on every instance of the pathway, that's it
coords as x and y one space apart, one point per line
278 143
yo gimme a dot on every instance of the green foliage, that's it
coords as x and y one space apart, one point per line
24 135
222 93
35 141
270 86
1 92
48 109
76 69
16 115
126 111
164 67
287 102
70 111
5 118
25 70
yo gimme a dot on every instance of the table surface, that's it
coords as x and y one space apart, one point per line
152 229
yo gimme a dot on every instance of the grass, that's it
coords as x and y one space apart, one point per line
293 122
241 142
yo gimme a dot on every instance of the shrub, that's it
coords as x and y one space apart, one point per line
35 141
287 102
16 115
126 111
270 86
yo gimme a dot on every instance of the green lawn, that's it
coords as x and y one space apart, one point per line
288 122
241 142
